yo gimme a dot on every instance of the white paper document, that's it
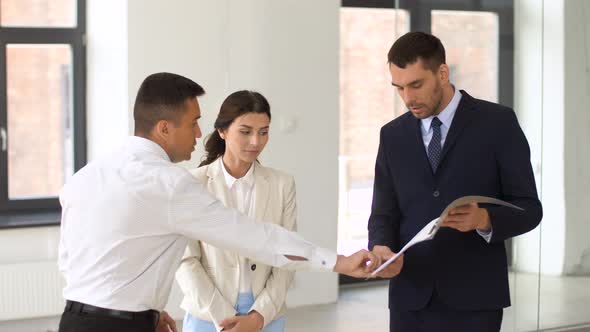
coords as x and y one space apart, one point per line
430 230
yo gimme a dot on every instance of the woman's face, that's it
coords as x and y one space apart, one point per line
246 137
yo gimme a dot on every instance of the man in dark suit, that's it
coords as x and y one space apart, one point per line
448 145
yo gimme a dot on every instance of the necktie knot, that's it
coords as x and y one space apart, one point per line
436 123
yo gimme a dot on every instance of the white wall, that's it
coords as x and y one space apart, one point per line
577 135
289 59
287 50
528 85
107 76
554 213
539 89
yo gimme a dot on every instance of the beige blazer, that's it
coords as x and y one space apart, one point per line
209 277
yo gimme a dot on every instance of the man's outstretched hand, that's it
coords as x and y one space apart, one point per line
357 265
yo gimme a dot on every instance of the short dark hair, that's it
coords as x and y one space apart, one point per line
417 45
161 97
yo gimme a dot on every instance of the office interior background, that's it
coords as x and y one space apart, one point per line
70 69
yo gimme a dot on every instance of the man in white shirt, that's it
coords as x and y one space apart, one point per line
126 219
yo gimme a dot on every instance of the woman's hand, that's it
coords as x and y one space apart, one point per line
252 322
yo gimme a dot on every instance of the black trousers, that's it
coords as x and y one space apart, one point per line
438 317
90 322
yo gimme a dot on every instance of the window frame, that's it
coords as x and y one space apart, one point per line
420 20
14 213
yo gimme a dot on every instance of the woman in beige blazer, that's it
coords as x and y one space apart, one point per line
218 284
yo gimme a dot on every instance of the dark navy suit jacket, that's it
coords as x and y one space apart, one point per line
485 153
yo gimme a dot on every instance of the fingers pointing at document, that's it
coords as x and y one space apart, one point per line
357 265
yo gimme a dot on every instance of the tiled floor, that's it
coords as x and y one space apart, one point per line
357 309
564 301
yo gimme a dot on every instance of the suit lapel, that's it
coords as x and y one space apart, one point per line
460 120
262 189
216 182
415 137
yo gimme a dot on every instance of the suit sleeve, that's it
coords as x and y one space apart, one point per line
199 288
273 296
384 220
517 183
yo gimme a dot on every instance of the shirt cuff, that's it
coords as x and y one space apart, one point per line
487 235
324 259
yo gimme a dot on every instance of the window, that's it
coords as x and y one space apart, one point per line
367 102
472 55
42 102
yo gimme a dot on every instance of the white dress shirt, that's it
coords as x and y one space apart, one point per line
125 222
242 193
446 117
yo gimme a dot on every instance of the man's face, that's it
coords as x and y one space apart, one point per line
182 136
419 87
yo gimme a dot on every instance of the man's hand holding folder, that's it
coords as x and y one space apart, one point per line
393 268
463 214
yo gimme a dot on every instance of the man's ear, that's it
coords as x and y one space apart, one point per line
162 129
444 73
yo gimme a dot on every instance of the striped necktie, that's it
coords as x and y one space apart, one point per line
435 147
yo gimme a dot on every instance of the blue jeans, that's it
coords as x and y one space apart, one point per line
245 302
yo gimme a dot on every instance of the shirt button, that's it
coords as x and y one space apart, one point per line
253 267
436 193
